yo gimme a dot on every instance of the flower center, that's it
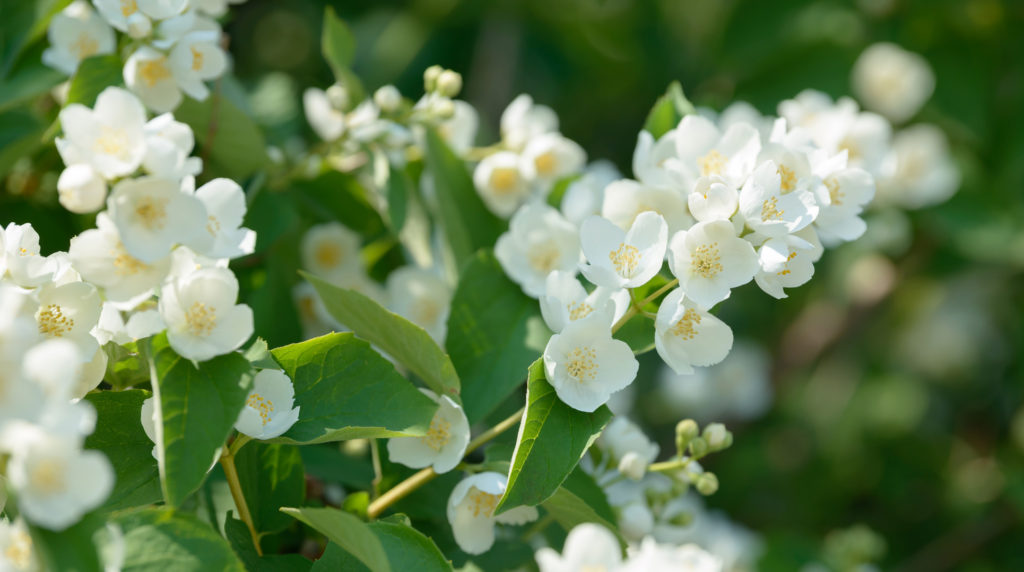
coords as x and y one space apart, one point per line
770 210
53 322
126 264
545 164
583 364
48 476
128 7
439 433
154 71
19 549
835 196
786 271
200 319
625 258
262 405
151 212
686 327
706 260
851 147
328 255
112 141
482 503
197 59
787 178
579 310
84 46
544 258
504 180
212 225
712 163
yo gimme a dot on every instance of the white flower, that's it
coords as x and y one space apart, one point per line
328 122
585 195
148 73
268 410
168 145
686 558
587 547
656 164
152 215
622 437
617 259
565 300
76 33
712 199
539 240
892 81
331 251
845 194
55 366
100 257
70 312
685 335
422 297
225 208
585 365
81 190
110 137
709 260
202 318
459 130
551 156
787 262
500 182
148 418
214 8
772 204
16 551
25 266
444 444
635 520
195 59
471 511
523 120
625 199
923 172
703 150
56 482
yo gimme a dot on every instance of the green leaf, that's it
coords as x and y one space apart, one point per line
20 135
668 111
272 476
73 548
401 339
348 532
163 540
94 74
494 334
468 224
406 549
28 82
337 196
580 500
346 390
119 436
337 42
552 439
233 144
199 407
126 367
638 332
241 541
398 197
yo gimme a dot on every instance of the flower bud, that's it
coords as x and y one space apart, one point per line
139 26
633 466
338 96
443 108
636 521
698 447
387 98
681 519
81 190
449 83
686 430
707 484
430 77
717 436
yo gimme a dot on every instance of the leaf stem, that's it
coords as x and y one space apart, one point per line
638 307
227 461
668 466
493 432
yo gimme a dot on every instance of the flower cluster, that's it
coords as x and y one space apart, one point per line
173 46
593 547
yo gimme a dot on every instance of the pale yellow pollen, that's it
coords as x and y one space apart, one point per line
84 46
706 260
128 7
545 258
625 258
47 476
583 364
712 163
851 147
835 196
200 319
439 432
786 271
787 178
52 321
126 264
24 252
111 141
19 549
197 59
481 503
504 180
151 212
545 163
262 405
212 225
686 327
154 71
579 310
770 210
328 254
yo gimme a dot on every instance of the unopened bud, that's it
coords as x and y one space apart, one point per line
633 466
717 436
430 77
81 190
686 430
449 83
707 484
443 108
139 26
636 521
338 97
681 519
387 98
698 447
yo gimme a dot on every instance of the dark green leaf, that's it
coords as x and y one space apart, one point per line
337 42
233 144
401 339
272 476
241 541
552 439
119 436
668 111
27 82
468 224
337 196
346 390
406 549
638 332
20 136
72 549
199 407
94 74
161 539
580 500
494 334
348 532
398 197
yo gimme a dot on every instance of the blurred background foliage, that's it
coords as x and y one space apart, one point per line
897 386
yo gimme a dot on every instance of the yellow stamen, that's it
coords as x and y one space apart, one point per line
580 310
439 433
52 321
200 319
262 405
686 327
625 258
583 364
711 164
154 71
706 260
770 210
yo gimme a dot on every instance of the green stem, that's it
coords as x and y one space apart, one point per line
227 461
638 307
669 466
